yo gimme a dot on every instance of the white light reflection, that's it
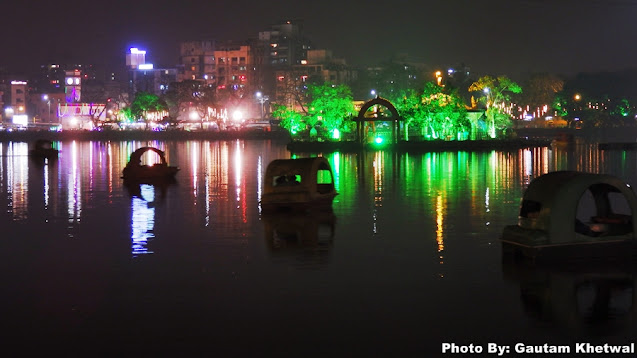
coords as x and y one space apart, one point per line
194 155
379 167
1 168
17 179
142 220
528 163
46 184
259 181
237 172
74 192
109 151
486 199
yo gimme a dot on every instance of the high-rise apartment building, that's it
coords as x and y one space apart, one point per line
286 44
196 60
135 57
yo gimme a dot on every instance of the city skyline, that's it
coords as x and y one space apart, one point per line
491 37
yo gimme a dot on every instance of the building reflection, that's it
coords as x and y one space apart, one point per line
302 240
587 298
17 180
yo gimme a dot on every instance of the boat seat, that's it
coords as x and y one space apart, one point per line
612 225
612 219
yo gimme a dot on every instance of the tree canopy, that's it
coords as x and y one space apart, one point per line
497 99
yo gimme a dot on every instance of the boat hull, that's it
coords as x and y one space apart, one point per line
279 203
44 153
150 172
572 252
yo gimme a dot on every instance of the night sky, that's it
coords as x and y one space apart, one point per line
511 37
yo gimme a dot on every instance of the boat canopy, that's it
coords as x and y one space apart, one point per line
551 201
306 174
136 156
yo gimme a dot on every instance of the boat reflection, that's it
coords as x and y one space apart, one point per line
304 238
144 198
134 187
594 299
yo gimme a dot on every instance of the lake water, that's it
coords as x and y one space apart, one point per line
410 260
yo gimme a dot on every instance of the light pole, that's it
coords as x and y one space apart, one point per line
260 100
48 102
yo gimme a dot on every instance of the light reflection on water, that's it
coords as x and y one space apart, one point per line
143 220
413 240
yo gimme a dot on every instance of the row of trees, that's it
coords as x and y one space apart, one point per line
432 112
437 111
190 96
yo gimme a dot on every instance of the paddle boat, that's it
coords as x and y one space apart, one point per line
43 149
135 171
548 227
298 185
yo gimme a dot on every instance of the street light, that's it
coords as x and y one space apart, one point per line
261 99
48 102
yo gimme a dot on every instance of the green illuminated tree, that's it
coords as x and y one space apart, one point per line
444 115
497 92
290 119
623 108
125 115
408 107
332 106
145 102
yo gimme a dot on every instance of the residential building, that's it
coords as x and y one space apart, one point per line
196 61
320 66
287 44
152 80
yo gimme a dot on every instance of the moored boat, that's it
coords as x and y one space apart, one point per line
43 149
136 171
298 184
548 227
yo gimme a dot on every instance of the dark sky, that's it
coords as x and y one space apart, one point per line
495 37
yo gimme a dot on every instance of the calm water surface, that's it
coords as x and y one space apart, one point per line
411 258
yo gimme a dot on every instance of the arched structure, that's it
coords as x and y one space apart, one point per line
392 117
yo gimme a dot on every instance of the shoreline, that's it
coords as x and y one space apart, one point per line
426 146
31 136
279 136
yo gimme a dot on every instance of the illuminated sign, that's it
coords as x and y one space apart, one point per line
20 119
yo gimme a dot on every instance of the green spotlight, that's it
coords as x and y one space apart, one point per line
378 140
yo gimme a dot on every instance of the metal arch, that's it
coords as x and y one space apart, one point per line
373 102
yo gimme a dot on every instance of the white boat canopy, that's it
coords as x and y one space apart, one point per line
551 201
